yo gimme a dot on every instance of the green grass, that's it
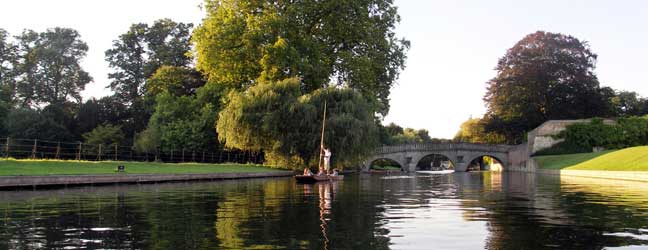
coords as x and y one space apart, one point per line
57 167
628 159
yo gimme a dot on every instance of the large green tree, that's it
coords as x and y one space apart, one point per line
180 122
344 43
544 76
136 55
185 111
8 58
278 118
49 67
8 62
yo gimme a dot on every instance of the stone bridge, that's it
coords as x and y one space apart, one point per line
460 154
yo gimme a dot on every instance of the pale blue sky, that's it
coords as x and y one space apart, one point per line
455 44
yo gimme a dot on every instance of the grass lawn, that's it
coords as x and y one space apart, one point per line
628 159
57 167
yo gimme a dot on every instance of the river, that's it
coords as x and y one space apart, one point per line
477 210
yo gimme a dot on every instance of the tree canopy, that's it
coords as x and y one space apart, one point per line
48 68
138 53
279 119
544 76
345 43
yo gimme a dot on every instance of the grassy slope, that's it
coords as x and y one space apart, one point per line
629 159
51 167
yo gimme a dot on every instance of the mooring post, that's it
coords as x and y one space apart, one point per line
58 150
99 153
116 151
33 156
78 158
7 149
183 155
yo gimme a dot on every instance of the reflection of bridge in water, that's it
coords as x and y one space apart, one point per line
409 156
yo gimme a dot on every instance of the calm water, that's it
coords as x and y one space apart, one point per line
439 211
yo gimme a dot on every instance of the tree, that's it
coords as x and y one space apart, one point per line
24 123
627 103
473 130
107 135
49 67
279 119
177 81
8 62
544 76
106 110
138 54
180 122
242 43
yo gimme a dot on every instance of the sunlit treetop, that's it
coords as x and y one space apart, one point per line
343 43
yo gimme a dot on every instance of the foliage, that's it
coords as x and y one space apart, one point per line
180 122
627 103
8 62
107 135
175 80
385 164
279 119
392 134
474 131
49 70
106 110
243 43
141 51
136 55
26 123
147 140
544 76
583 137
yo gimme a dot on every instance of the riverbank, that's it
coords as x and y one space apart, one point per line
628 159
59 167
36 173
629 164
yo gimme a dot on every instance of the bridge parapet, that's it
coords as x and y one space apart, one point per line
442 147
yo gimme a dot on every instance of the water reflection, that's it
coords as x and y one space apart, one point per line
481 210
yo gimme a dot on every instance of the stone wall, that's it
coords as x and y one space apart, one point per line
542 137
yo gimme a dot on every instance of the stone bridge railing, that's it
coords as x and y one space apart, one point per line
442 147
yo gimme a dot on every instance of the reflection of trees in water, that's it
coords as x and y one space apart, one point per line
535 213
107 218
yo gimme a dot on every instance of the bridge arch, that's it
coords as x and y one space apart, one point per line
434 161
385 164
481 162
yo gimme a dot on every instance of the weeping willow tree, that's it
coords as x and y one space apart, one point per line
285 123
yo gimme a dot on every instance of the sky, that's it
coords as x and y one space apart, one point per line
455 44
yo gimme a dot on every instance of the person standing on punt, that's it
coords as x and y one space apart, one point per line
327 159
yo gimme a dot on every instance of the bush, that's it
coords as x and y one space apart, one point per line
583 137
